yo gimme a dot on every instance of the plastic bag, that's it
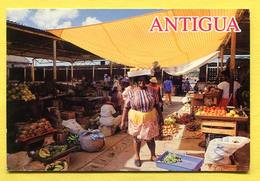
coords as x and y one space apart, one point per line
73 126
219 149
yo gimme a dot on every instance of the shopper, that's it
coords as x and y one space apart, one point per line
106 86
116 99
144 117
168 87
187 85
154 85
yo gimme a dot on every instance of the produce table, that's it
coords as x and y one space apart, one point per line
219 125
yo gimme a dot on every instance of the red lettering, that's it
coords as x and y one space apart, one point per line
208 24
156 25
233 25
195 27
185 22
217 23
173 25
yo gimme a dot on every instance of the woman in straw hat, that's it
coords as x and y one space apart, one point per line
144 115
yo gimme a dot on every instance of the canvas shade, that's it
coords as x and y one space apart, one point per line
186 68
129 42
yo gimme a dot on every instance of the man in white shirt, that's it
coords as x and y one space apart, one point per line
225 86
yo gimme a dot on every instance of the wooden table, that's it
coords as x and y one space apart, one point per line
214 125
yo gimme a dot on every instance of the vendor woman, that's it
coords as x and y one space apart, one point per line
144 116
224 86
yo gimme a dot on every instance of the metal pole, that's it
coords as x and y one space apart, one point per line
54 61
93 73
32 70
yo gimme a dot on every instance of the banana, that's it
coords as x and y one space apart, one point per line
44 152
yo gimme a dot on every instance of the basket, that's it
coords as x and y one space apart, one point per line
189 163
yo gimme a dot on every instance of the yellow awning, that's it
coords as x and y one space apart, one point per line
129 42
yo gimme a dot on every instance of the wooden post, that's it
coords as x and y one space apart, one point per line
232 63
32 70
111 69
54 61
8 73
66 72
24 74
71 72
93 73
44 73
124 70
221 58
207 71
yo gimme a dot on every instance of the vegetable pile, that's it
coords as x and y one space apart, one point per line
171 158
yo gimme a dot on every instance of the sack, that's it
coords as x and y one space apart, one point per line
73 126
92 142
219 149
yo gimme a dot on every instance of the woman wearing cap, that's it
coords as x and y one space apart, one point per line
144 115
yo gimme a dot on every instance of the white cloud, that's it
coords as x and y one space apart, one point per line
17 15
52 18
91 20
65 24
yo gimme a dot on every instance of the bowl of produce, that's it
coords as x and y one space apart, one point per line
59 165
179 162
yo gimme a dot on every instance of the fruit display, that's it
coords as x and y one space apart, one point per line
19 92
30 130
171 158
51 151
168 130
169 121
59 165
216 111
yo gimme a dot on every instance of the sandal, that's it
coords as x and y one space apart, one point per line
153 158
138 163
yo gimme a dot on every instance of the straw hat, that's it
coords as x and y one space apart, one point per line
153 80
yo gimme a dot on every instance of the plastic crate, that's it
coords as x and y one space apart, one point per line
189 163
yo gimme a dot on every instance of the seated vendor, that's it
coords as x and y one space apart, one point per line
108 115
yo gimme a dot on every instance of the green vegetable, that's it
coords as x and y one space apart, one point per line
171 158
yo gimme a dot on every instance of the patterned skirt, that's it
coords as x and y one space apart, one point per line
143 125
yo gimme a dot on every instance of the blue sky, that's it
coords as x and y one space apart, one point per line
63 18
